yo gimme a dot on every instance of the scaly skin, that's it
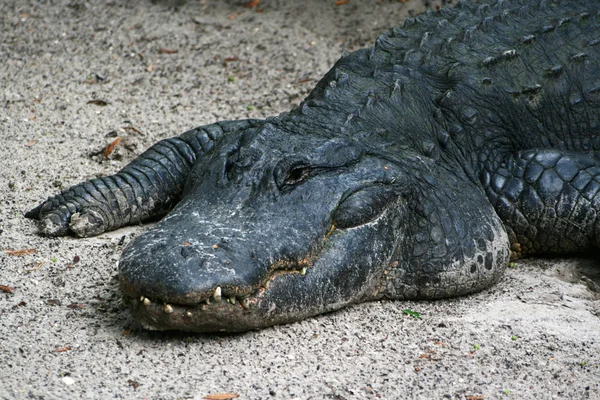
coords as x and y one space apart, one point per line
410 171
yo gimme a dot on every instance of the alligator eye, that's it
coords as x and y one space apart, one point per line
290 172
363 206
297 174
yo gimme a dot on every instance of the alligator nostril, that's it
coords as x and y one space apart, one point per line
188 252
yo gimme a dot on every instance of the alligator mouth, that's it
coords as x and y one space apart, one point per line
220 309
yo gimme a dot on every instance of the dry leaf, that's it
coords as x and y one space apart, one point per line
133 383
340 2
7 289
20 252
132 129
221 396
62 349
98 102
166 51
252 3
30 143
111 147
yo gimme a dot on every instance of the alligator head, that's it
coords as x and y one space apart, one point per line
270 229
276 226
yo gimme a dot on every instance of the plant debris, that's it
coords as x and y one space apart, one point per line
98 102
132 129
7 289
62 349
413 314
111 147
162 50
20 252
221 396
133 383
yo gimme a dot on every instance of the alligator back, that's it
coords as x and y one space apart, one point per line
482 81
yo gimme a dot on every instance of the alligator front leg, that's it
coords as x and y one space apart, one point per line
548 200
147 187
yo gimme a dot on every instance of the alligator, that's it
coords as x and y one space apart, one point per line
415 169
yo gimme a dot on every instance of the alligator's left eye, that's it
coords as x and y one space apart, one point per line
292 172
297 174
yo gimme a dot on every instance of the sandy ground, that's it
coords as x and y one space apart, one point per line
164 67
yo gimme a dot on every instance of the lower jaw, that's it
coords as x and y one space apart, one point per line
222 316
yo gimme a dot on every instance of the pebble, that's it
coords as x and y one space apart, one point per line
67 380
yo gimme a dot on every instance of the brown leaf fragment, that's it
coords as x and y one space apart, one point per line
131 129
7 289
20 252
185 244
229 59
62 349
252 3
75 260
53 302
98 102
475 397
36 266
133 383
30 143
111 147
215 24
221 396
76 306
341 2
162 50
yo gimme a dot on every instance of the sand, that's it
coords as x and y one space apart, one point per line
163 67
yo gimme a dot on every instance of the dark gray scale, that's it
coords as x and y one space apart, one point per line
547 200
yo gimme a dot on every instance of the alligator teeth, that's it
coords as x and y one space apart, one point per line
245 303
217 294
207 301
146 301
168 309
203 307
303 271
188 314
142 298
232 300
